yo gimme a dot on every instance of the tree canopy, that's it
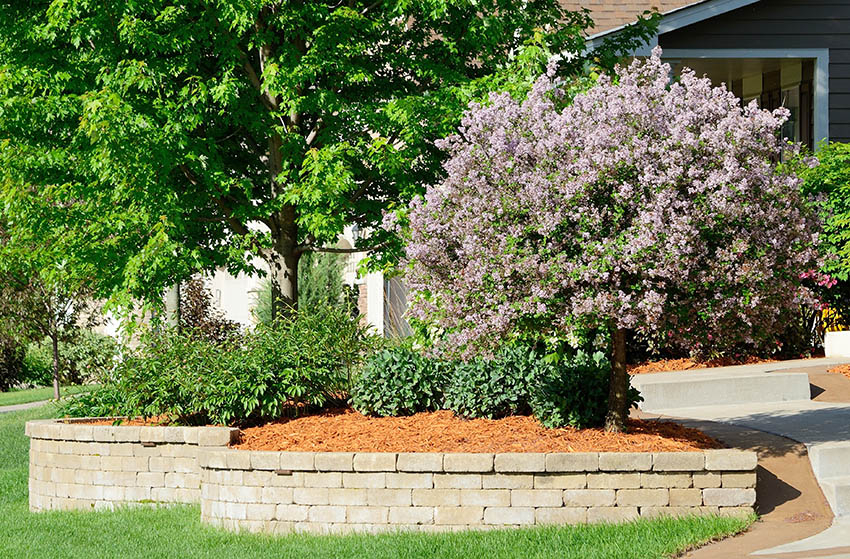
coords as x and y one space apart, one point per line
179 136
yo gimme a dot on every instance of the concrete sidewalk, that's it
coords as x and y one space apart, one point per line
27 406
822 426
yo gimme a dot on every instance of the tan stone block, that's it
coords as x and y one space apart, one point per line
409 480
461 462
729 497
126 433
334 461
261 460
625 461
241 494
191 434
152 434
216 436
362 480
572 462
83 433
563 515
685 497
613 481
292 513
706 479
457 481
411 515
62 475
419 462
90 462
295 479
303 461
103 433
236 511
678 461
589 497
210 492
347 496
515 462
137 494
458 516
310 495
277 495
537 498
83 477
173 435
730 459
326 514
643 497
560 481
612 514
367 515
134 463
108 463
653 480
131 449
738 479
183 480
437 497
114 493
508 515
374 462
257 478
256 511
322 479
389 497
508 481
485 497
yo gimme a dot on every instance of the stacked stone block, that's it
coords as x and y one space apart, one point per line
77 465
280 492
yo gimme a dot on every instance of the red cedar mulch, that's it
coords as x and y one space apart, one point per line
665 365
346 430
841 369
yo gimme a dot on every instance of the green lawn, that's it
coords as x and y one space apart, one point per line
38 394
176 532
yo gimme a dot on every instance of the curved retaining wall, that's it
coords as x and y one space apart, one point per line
77 465
279 492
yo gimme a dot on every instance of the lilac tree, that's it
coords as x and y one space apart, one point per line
642 204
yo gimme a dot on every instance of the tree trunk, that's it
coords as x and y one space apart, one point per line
283 265
55 341
618 411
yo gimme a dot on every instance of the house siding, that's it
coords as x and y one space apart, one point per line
784 24
608 14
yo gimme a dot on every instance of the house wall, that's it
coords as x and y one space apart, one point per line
784 24
608 14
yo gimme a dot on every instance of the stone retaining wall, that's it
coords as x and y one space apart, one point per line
279 492
77 465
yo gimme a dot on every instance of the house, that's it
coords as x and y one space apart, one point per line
791 53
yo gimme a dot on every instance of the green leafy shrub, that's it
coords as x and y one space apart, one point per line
86 358
495 387
574 391
304 360
11 362
400 381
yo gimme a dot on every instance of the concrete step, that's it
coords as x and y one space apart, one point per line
711 387
830 459
837 492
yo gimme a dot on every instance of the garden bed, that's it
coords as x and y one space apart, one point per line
841 370
686 363
346 430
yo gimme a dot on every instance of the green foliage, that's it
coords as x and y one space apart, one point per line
319 284
152 134
87 357
495 387
400 381
574 391
11 362
307 359
831 179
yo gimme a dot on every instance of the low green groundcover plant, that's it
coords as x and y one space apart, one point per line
569 390
176 531
307 359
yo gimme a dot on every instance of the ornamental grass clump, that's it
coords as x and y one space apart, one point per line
643 205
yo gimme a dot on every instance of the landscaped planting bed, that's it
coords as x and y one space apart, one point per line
83 465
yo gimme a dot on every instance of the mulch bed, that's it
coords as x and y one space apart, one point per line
346 430
665 365
841 369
